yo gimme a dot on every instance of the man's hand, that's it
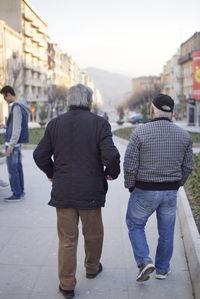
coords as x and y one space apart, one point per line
109 178
9 151
51 180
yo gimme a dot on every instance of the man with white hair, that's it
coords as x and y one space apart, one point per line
157 162
84 158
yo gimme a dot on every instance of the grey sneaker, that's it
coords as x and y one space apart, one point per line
145 269
162 276
3 184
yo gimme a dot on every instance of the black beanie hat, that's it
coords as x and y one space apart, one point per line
163 102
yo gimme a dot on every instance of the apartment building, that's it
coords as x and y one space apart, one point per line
190 64
74 71
171 82
21 17
58 66
97 97
11 70
145 83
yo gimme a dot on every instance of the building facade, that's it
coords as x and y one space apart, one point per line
171 82
45 71
21 17
190 64
58 66
11 70
97 97
145 83
74 71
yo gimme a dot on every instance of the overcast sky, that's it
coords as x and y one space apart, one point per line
134 37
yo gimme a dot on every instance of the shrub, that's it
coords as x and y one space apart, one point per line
124 133
194 179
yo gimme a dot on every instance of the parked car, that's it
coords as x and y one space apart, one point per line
138 118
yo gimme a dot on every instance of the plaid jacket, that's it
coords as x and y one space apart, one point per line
158 152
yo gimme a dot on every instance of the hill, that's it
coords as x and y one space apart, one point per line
112 86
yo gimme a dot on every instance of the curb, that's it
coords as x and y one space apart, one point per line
191 240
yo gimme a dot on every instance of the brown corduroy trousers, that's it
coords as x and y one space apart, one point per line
67 226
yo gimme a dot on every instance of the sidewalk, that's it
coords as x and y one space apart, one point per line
28 248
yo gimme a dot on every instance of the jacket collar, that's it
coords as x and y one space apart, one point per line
161 118
78 108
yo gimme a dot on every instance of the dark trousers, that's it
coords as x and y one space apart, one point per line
15 171
67 226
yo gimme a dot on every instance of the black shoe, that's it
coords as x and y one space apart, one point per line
145 269
13 198
95 274
67 293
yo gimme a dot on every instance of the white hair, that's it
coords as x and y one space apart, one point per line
79 95
160 113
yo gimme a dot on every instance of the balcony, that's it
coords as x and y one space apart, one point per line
28 48
28 65
42 43
35 82
35 37
35 23
28 31
42 30
28 15
35 52
185 58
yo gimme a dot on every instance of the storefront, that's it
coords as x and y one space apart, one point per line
196 85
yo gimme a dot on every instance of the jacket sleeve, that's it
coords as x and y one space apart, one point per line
17 126
131 162
109 154
188 163
43 154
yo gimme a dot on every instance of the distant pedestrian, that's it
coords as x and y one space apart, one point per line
84 158
16 134
106 116
157 162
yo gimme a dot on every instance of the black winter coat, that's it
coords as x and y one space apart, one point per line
83 153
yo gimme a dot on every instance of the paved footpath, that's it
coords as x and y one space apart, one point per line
28 248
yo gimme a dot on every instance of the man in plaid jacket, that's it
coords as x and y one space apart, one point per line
157 162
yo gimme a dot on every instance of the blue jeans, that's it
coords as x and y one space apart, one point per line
15 171
142 204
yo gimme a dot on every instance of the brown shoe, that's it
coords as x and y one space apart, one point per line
67 293
90 276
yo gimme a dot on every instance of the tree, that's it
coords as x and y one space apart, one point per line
57 98
14 74
95 108
43 114
142 99
120 112
145 112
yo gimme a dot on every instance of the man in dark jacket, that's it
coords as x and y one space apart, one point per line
84 158
16 133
